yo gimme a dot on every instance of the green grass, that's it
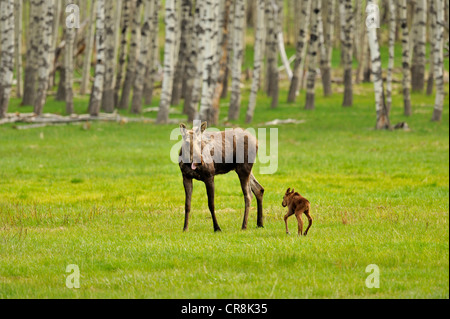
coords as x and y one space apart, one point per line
109 200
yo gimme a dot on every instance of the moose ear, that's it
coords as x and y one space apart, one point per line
292 191
183 129
288 190
204 126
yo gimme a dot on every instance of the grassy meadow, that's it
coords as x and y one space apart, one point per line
108 199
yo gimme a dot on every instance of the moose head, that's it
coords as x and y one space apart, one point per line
191 149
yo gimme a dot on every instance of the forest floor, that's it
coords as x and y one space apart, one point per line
107 198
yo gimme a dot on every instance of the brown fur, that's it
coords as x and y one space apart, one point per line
205 170
297 205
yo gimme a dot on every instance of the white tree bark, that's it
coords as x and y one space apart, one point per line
169 58
18 8
328 29
438 54
419 46
45 52
136 104
406 82
132 57
68 65
210 39
127 9
153 56
238 52
313 52
380 103
107 104
258 59
7 53
86 73
30 76
97 87
300 50
392 29
346 9
56 18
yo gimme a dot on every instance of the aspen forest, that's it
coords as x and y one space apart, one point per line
130 55
124 121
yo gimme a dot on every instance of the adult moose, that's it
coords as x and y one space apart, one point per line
206 154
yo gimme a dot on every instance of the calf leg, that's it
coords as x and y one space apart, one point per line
285 220
310 221
187 182
300 222
209 183
258 190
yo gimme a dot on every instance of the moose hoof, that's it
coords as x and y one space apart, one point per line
288 233
217 230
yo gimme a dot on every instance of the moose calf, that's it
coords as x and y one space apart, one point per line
297 205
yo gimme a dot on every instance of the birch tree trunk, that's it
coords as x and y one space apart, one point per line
347 47
45 52
107 104
238 52
56 18
271 48
132 57
406 82
7 53
223 61
392 27
313 54
258 59
277 46
431 30
419 50
197 65
329 33
438 54
89 47
97 87
300 50
363 60
169 58
68 66
136 104
153 57
18 7
127 9
182 52
380 103
30 76
210 57
322 51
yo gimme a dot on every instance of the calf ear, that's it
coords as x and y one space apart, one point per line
204 126
293 190
287 192
183 129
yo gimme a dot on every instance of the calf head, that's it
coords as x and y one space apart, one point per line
191 149
287 197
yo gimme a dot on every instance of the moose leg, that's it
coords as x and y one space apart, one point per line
290 213
258 190
310 221
300 222
209 183
247 197
187 182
